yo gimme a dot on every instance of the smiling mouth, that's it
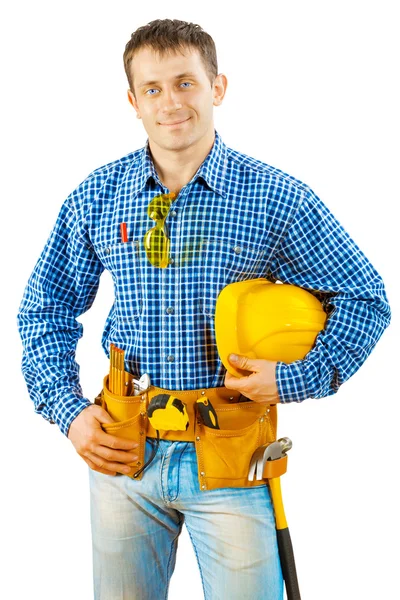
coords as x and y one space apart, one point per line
174 123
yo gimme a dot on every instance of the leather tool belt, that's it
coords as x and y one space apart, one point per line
223 455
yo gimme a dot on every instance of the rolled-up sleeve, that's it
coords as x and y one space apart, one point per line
63 286
317 254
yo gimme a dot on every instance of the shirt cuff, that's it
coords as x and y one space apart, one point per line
66 408
291 382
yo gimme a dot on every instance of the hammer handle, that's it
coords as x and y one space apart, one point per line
284 542
288 565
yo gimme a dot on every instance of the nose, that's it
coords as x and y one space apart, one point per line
170 102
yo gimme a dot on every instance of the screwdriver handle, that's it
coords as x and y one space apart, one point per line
207 413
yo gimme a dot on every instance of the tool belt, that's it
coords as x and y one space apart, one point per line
223 455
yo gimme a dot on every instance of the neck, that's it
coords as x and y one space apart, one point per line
176 168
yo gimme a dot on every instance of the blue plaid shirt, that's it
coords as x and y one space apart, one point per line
238 218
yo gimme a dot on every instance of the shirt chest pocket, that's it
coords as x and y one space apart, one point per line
122 261
224 262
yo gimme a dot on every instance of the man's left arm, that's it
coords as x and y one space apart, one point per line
318 255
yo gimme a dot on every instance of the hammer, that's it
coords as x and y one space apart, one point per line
263 454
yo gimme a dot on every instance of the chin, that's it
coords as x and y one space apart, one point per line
179 143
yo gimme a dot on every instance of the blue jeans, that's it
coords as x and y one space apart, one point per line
136 525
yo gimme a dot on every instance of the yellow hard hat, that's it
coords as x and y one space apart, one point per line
260 319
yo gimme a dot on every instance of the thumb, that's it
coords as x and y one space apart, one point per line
101 415
243 362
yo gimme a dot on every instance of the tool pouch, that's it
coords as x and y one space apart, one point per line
223 455
129 414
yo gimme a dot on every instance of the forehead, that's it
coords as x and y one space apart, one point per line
149 65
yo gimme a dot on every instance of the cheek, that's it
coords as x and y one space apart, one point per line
149 115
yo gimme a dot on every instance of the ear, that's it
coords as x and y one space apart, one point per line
219 89
132 100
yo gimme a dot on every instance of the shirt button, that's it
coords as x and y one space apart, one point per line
173 213
169 310
171 261
108 250
237 249
171 358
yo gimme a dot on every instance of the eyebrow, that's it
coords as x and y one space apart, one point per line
153 81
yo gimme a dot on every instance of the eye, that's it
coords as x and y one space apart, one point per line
186 83
151 90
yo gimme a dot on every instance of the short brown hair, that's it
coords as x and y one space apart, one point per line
168 35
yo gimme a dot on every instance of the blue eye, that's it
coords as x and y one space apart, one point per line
151 90
186 83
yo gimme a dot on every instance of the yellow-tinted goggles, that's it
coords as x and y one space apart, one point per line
156 241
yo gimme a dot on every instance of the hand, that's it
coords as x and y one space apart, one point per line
260 385
103 452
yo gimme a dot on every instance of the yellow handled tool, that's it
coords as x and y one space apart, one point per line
207 412
258 465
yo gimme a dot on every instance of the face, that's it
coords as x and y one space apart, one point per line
174 97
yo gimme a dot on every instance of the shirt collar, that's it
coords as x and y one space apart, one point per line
212 170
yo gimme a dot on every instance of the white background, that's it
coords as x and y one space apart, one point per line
312 90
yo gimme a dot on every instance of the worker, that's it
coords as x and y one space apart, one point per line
221 217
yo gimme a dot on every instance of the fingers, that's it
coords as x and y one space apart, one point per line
111 453
101 415
117 456
259 387
245 363
236 383
101 451
102 465
94 467
112 441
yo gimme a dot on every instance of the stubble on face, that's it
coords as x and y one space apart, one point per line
174 102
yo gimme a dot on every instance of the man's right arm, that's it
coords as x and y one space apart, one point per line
63 286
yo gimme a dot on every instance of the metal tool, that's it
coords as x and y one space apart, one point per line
267 452
270 451
140 385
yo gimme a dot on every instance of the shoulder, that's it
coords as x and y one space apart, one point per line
104 181
117 167
251 169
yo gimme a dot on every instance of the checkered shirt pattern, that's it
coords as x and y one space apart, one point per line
236 219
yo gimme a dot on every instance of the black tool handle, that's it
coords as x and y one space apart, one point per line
207 413
288 565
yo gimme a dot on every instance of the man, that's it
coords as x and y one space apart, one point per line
231 218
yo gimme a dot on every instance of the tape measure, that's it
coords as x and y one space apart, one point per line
168 413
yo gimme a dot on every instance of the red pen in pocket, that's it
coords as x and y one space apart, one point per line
124 235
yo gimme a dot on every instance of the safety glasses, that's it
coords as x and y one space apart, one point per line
156 241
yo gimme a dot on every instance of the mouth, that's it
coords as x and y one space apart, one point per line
175 123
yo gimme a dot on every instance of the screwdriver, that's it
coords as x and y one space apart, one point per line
207 413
